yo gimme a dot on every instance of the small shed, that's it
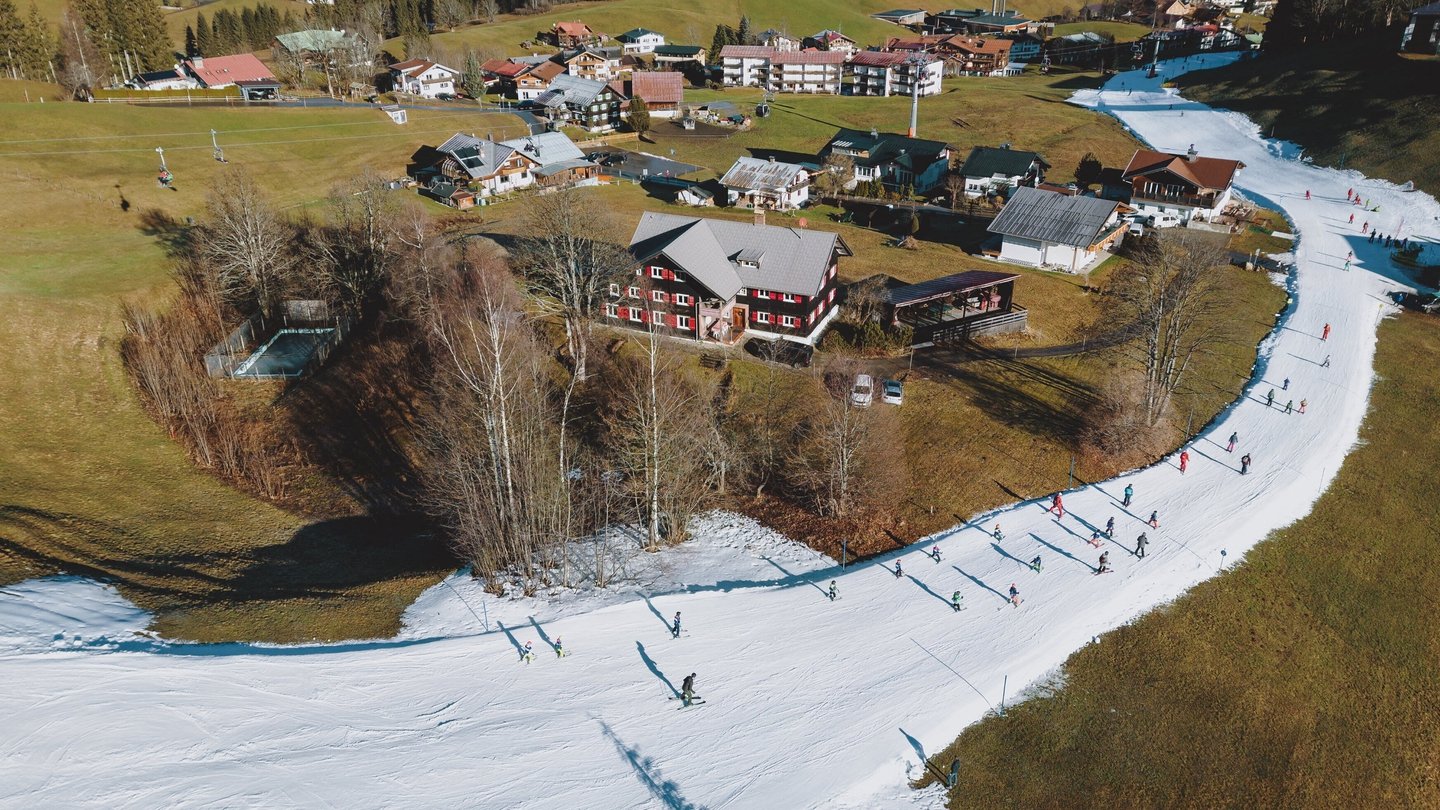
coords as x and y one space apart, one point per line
957 307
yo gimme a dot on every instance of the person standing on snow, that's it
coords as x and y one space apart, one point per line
935 554
1184 460
1234 437
1154 520
1110 527
1285 386
1270 398
1095 540
955 602
1129 492
1326 363
1245 464
833 590
1036 564
675 627
528 654
1014 595
687 689
1140 543
560 648
1290 406
1057 505
1325 333
997 534
898 571
1104 566
1303 403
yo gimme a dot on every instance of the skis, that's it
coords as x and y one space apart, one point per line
692 704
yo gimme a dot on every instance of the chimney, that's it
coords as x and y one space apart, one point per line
197 62
1192 154
772 158
759 216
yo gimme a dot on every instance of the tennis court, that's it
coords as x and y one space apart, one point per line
286 354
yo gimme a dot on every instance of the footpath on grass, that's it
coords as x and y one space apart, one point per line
809 702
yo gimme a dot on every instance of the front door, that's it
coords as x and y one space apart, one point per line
737 320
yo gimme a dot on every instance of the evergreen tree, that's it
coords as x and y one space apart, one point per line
742 34
12 37
473 78
229 34
204 35
41 45
724 35
149 42
639 116
190 47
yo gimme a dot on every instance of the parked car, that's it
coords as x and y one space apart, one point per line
1424 302
795 355
1162 221
444 96
892 392
1136 228
863 392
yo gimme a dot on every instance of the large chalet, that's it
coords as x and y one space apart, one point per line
715 280
1188 186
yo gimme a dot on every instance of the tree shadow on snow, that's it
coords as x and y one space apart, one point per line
646 770
655 669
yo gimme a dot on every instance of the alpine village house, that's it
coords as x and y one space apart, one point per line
715 280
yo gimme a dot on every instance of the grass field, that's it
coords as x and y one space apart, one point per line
1121 31
1354 104
1299 679
22 91
91 485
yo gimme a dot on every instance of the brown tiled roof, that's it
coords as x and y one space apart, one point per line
503 67
809 58
992 45
573 29
878 58
1205 172
746 52
545 71
658 88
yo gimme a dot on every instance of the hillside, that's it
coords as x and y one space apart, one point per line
1355 105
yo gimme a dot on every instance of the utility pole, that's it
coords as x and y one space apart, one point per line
917 63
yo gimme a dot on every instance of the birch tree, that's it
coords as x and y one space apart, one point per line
245 242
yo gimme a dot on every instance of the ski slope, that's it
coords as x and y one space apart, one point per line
809 703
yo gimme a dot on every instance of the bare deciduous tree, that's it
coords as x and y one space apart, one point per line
835 174
571 255
830 453
356 252
955 184
245 242
1172 293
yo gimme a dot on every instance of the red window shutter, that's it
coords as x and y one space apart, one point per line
670 321
669 275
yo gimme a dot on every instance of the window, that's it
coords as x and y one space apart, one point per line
789 320
684 322
657 317
657 272
634 292
743 291
612 311
788 298
615 290
637 315
761 317
683 300
658 296
760 294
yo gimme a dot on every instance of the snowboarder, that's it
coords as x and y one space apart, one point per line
687 689
1154 520
1129 491
1326 363
1104 566
898 571
1303 403
1290 406
1245 464
999 536
675 627
955 602
528 654
1140 543
1057 506
1184 460
833 590
1325 333
935 554
1285 386
560 648
1035 564
1014 595
1234 437
1270 398
1110 527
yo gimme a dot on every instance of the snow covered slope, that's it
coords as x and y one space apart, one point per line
809 702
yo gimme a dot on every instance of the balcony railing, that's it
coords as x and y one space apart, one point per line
1194 200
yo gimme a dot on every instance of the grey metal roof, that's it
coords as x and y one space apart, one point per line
792 260
755 173
568 89
946 285
477 156
1052 217
562 166
990 161
546 147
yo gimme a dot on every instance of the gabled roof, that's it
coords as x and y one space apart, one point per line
545 71
634 34
991 45
755 173
829 35
665 87
946 286
477 157
885 148
1046 216
218 71
1204 172
989 161
880 58
747 52
503 67
572 29
315 40
792 260
547 148
415 68
567 89
808 58
678 50
898 12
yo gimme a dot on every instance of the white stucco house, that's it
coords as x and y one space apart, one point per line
421 77
1040 228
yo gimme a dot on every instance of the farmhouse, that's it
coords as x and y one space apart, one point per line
987 169
829 40
173 79
715 280
574 35
640 40
479 165
757 183
975 56
1187 186
533 81
560 161
1047 229
663 92
242 70
421 77
586 103
895 160
881 73
903 16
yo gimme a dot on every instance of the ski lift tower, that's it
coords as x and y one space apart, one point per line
917 63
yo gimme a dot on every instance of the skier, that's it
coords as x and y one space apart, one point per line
1285 386
1014 595
1290 406
1245 464
1129 491
935 554
559 648
1352 219
1057 506
1234 437
1110 527
1307 193
528 654
1326 364
1347 265
833 590
1184 460
1154 520
955 602
1325 333
1303 403
1095 539
1035 564
675 628
1366 227
1104 567
898 572
1140 543
1350 193
1371 240
999 536
687 689
1270 398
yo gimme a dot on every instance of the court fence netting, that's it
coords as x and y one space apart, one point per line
291 342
